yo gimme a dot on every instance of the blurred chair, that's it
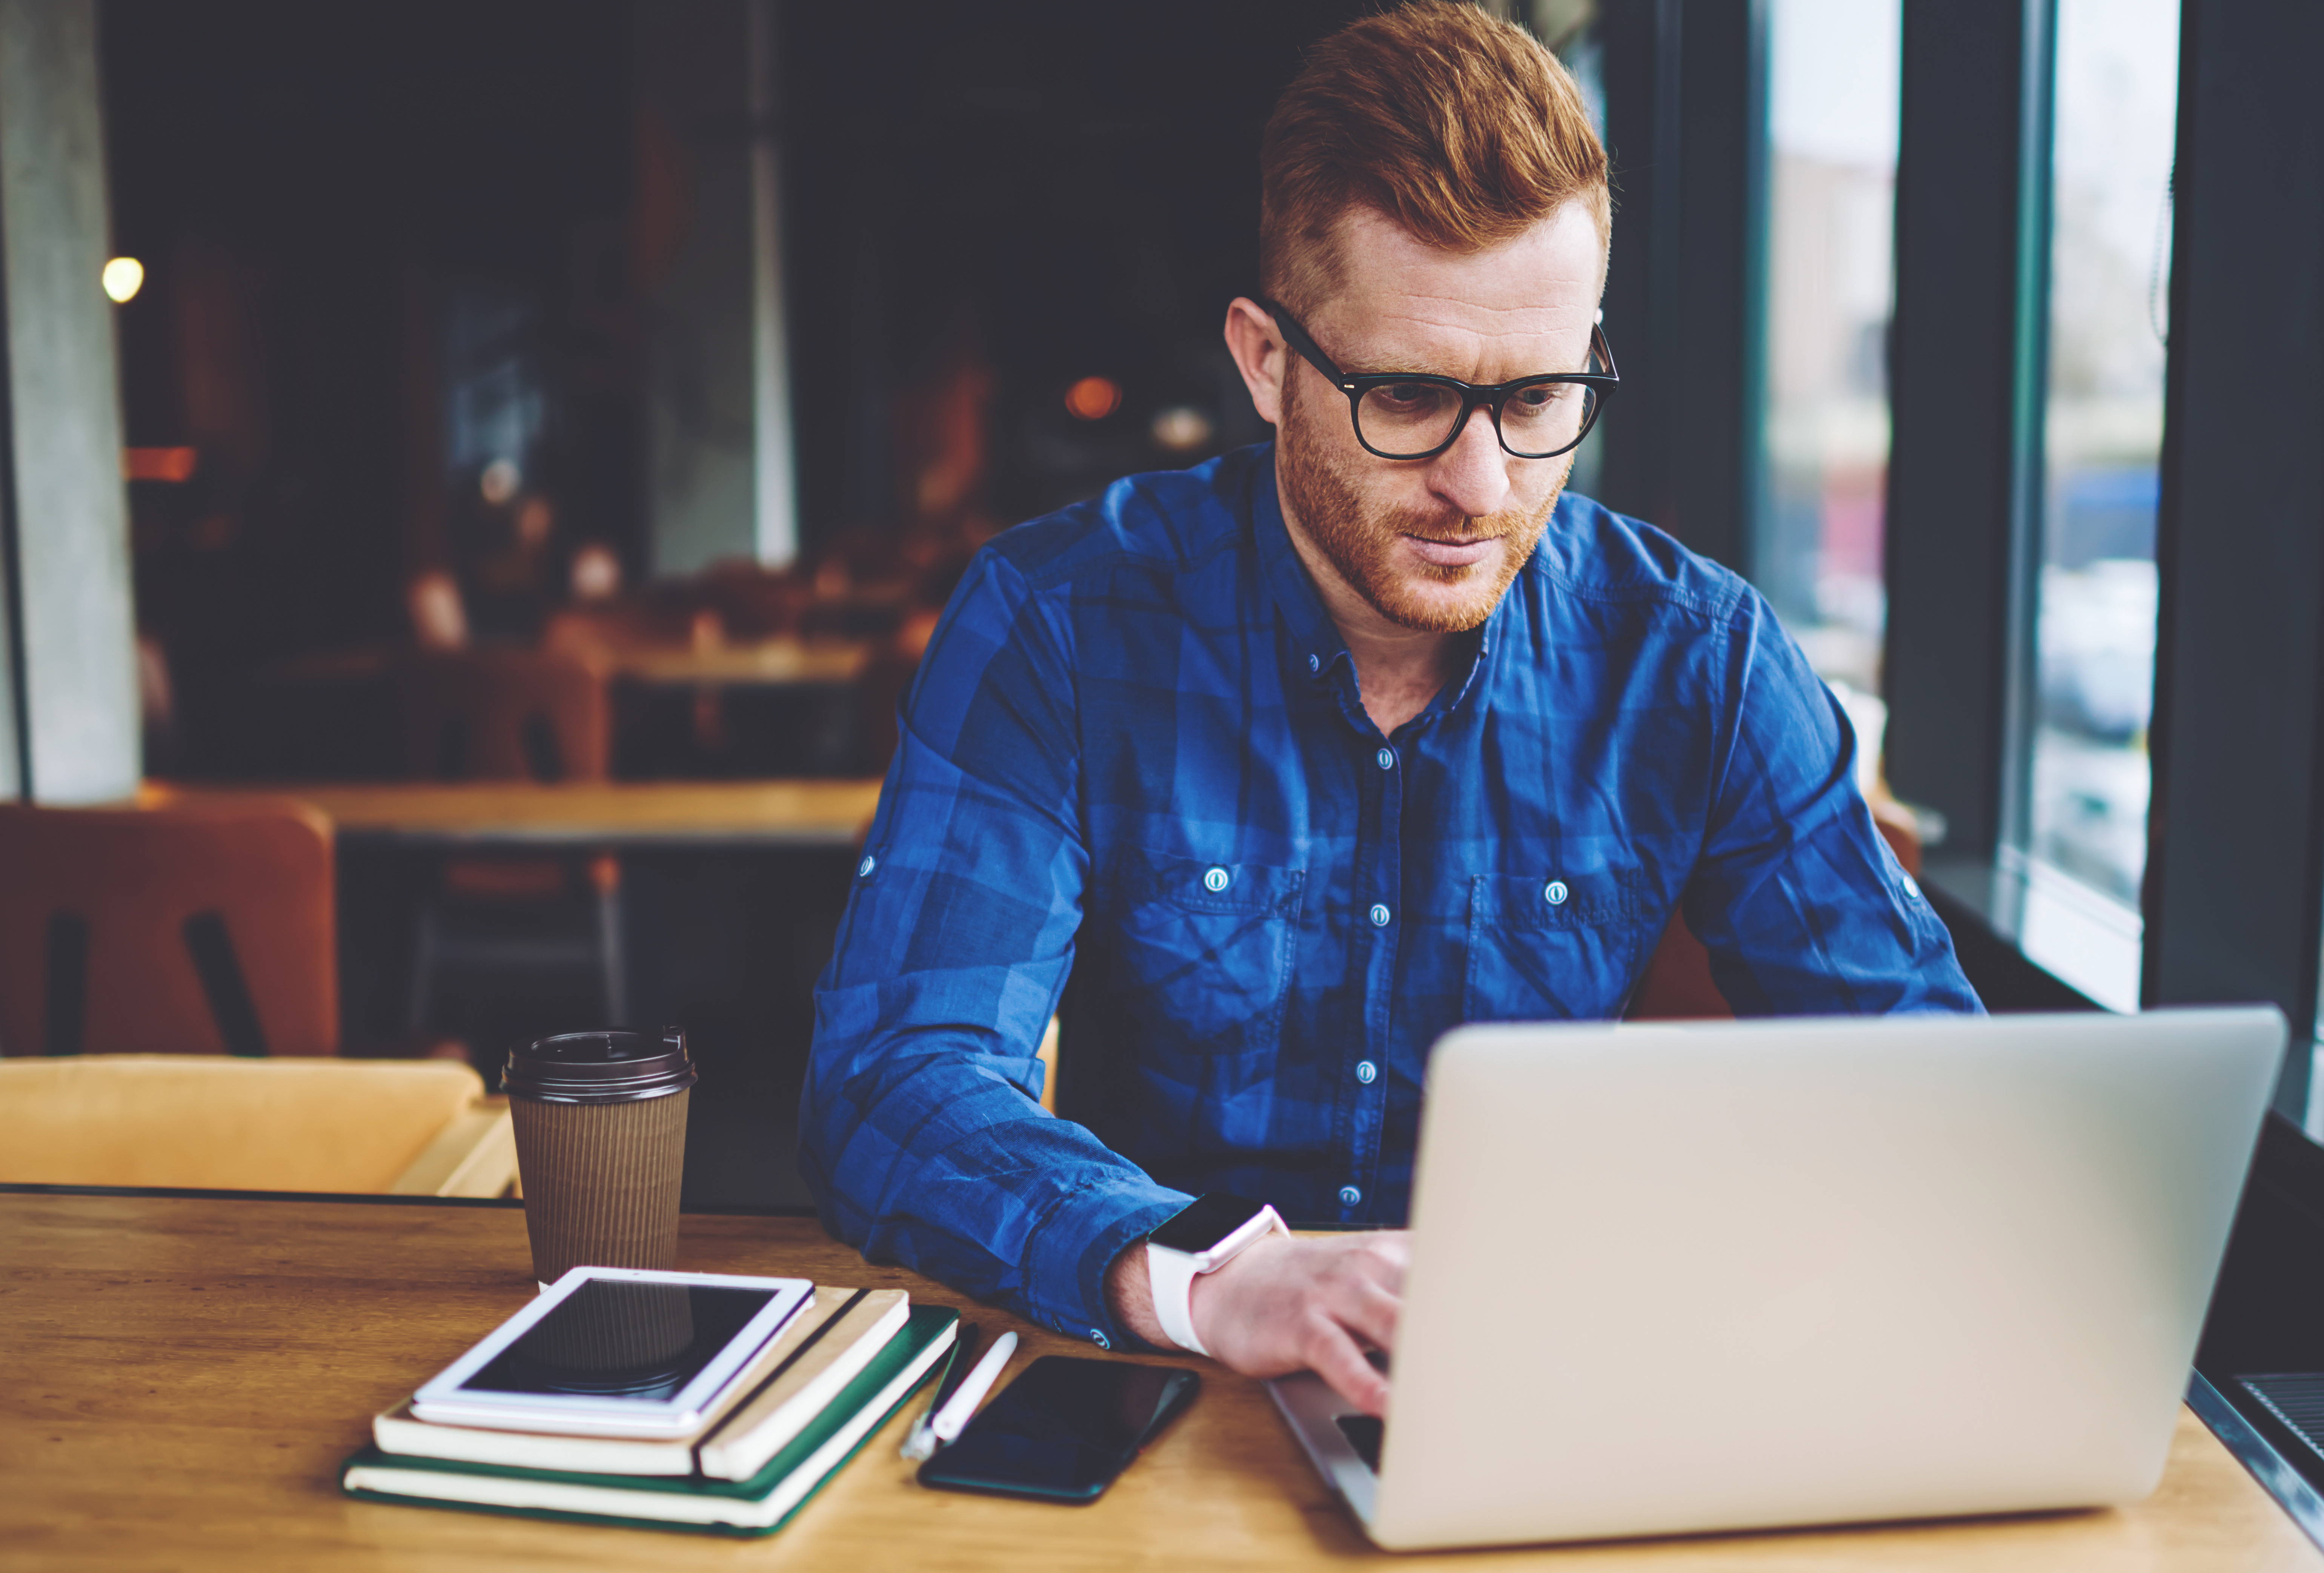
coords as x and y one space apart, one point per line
754 602
190 928
512 715
503 715
417 1128
599 632
1677 985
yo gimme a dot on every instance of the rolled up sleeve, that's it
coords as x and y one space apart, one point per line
1798 898
922 1135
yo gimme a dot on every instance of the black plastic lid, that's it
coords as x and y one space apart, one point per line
616 1066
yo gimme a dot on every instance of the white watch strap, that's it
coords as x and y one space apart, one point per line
1170 1275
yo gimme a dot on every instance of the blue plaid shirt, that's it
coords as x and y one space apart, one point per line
1135 755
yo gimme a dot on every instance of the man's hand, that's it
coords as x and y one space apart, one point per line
1286 1304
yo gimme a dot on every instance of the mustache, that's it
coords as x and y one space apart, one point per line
1454 530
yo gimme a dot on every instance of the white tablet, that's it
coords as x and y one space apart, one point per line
615 1352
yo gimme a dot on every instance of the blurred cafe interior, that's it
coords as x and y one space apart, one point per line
545 393
481 476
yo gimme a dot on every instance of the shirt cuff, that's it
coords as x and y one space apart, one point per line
1067 1257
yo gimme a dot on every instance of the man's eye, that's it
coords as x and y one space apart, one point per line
1538 401
1408 395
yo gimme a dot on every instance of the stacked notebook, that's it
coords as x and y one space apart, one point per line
804 1405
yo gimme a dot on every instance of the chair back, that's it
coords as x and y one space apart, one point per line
596 633
503 715
177 928
1677 985
418 1126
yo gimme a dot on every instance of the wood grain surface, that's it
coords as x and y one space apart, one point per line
183 1375
773 663
792 812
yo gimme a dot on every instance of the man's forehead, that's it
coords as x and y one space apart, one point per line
1542 283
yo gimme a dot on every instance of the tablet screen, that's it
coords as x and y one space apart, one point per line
619 1341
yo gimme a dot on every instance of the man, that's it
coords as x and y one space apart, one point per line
1297 760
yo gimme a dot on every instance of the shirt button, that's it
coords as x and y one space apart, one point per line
1555 892
1314 663
1217 879
864 869
1380 916
1387 759
1100 1339
1367 1073
1349 1196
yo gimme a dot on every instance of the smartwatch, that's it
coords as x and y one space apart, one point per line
1201 1237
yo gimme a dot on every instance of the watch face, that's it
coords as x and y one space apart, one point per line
1204 1222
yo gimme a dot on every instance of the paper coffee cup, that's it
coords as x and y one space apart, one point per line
601 1144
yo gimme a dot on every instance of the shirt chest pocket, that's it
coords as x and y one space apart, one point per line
1544 948
1201 951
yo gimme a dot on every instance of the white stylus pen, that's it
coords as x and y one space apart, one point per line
963 1404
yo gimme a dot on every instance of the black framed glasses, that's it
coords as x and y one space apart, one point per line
1417 415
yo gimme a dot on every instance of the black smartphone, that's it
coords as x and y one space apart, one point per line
1064 1429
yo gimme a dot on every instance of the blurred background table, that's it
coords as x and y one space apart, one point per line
779 661
195 1367
775 663
530 814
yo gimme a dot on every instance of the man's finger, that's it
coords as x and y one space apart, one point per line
1368 1311
1332 1355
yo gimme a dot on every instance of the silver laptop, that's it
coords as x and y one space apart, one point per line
1733 1275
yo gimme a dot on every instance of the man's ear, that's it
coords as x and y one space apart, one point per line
1259 354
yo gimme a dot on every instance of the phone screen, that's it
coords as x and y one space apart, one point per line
1064 1429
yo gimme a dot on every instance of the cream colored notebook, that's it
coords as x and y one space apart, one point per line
860 1328
397 1431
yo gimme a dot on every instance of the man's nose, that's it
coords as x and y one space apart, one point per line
1473 473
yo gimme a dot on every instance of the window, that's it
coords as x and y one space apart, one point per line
2115 107
1833 72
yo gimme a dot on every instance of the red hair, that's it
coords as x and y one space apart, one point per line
1462 129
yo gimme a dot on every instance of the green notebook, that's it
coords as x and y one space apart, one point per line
757 1507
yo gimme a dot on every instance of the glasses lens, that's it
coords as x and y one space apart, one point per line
1406 419
1412 419
1546 417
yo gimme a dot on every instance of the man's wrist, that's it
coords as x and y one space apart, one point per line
1207 1239
1130 1295
1170 1285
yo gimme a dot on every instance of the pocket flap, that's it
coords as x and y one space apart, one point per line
1583 898
1196 884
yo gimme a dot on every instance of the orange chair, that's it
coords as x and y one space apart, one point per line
1677 985
503 716
192 928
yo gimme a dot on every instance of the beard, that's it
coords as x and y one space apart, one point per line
1359 538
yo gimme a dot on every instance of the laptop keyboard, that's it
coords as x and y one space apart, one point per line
2295 1398
1364 1434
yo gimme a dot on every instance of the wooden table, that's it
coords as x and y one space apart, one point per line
185 1374
775 663
783 661
596 813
